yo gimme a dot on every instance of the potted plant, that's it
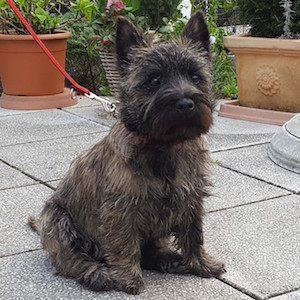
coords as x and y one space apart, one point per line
29 78
268 61
104 19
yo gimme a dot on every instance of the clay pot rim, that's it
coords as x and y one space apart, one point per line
58 34
247 41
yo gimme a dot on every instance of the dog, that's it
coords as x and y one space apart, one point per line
135 199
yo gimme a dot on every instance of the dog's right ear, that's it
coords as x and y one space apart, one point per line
196 30
127 38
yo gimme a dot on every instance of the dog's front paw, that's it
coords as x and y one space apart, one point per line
133 286
209 268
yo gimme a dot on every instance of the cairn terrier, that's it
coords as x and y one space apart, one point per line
134 200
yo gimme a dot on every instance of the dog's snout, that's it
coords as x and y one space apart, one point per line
185 105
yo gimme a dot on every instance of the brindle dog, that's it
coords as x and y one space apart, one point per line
135 199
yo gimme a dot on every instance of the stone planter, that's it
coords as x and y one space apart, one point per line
268 72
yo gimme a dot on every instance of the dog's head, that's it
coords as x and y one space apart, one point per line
165 90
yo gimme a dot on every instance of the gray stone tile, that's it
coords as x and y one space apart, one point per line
254 161
16 206
11 112
42 125
227 133
231 189
289 296
259 244
95 114
31 276
10 177
48 160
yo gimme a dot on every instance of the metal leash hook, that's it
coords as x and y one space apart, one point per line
107 105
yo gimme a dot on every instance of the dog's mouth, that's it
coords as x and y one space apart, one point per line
172 126
207 103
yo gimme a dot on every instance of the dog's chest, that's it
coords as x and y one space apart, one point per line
168 208
155 162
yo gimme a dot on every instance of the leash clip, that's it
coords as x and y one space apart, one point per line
107 105
73 93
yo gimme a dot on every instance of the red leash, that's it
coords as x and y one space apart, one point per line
75 85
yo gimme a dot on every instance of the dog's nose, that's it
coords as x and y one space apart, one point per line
185 105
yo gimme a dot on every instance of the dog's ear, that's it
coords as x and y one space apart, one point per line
127 37
196 30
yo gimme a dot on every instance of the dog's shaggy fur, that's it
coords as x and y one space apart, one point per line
135 199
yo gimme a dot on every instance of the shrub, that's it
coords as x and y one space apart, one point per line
266 17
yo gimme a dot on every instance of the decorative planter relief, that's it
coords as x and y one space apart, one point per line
267 80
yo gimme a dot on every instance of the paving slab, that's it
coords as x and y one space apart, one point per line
254 161
95 114
16 206
84 101
10 177
289 296
11 112
42 125
48 160
227 133
31 276
259 244
231 189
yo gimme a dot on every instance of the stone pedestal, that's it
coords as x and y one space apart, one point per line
284 149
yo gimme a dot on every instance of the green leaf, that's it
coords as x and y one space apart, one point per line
165 20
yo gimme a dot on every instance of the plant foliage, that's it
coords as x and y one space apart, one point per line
224 72
104 19
156 10
44 16
267 18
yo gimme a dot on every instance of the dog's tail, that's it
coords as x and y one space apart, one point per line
34 223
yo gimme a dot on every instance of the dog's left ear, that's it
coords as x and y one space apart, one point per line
127 37
196 30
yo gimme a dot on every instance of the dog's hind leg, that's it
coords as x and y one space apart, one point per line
71 255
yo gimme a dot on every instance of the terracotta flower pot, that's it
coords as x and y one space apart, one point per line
268 72
29 79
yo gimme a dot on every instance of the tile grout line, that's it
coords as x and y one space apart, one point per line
57 138
17 186
260 179
87 119
22 252
249 203
239 288
282 293
28 175
240 146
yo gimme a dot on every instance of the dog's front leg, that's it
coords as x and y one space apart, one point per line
123 254
195 258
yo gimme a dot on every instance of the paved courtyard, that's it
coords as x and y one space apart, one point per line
252 224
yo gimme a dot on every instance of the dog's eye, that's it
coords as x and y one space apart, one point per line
155 80
195 78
